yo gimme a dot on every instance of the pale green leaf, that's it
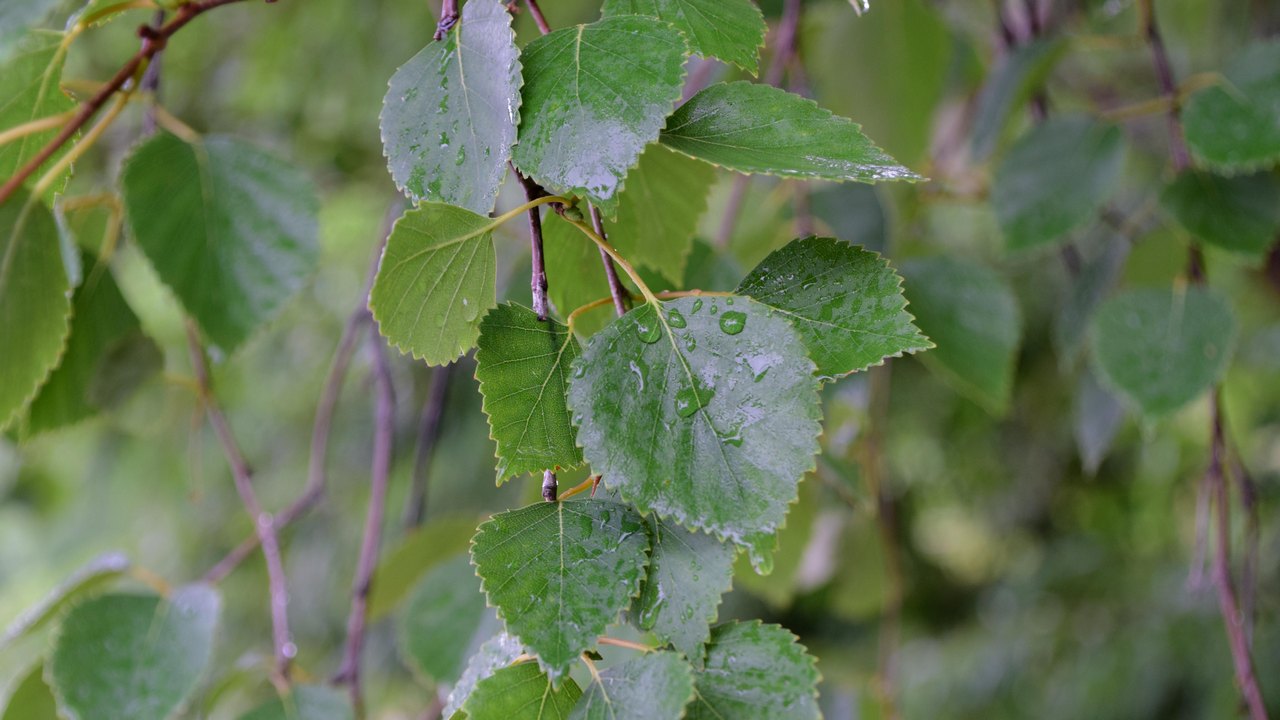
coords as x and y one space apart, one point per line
436 282
1160 349
731 30
441 619
419 551
845 302
703 410
688 572
755 672
450 114
305 702
1240 214
230 229
89 577
1055 178
496 653
31 699
594 96
29 91
521 692
559 573
522 364
653 686
754 128
15 17
1235 125
124 657
779 588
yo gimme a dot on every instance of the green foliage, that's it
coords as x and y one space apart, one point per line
1240 214
31 699
655 686
440 620
1235 125
417 553
688 572
521 692
1011 84
755 671
312 702
494 654
92 575
731 30
29 86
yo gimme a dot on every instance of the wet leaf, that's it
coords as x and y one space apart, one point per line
688 573
1235 125
496 653
755 672
522 692
731 30
654 686
1240 214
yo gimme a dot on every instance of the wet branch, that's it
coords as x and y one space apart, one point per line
616 289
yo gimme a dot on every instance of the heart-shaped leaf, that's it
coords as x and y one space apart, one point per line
688 572
1235 125
522 692
755 672
1240 214
654 686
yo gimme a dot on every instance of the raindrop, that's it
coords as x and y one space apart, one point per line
648 331
697 305
733 322
689 401
690 342
676 319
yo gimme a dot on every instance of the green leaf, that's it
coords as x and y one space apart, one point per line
449 117
850 211
1055 178
1088 289
441 619
754 128
122 657
523 367
654 686
1009 86
35 301
419 551
436 282
15 18
688 572
573 569
731 30
230 229
1098 416
305 702
496 653
1160 349
845 302
32 699
521 692
659 209
703 410
970 312
1240 214
1236 125
594 96
755 672
91 576
29 91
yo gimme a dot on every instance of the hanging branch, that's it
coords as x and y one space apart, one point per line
538 19
428 436
616 289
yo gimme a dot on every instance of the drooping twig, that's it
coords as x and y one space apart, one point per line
264 524
428 436
616 289
448 17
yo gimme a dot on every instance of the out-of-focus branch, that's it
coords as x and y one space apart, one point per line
428 437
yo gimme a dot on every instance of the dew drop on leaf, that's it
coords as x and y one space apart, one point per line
648 330
733 322
697 305
676 319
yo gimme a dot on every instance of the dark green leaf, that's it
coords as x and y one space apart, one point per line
436 282
523 367
850 211
230 229
29 91
521 692
1055 178
731 30
123 657
703 410
92 575
441 619
594 96
419 551
32 699
560 572
1160 349
1088 289
688 572
754 128
496 653
755 672
1098 416
1240 214
654 686
305 702
1009 86
450 114
972 315
1236 125
845 302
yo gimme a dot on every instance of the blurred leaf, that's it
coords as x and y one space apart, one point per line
89 577
653 686
1088 289
442 617
755 671
1055 178
15 18
32 699
1098 417
447 131
851 212
496 653
575 275
845 302
589 110
731 30
419 551
753 128
779 587
1008 86
305 702
230 229
1160 349
574 570
1240 214
521 692
435 282
971 314
710 270
688 572
1236 125
29 91
522 364
728 409
123 657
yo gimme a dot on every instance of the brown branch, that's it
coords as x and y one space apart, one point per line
428 436
538 18
448 18
538 275
264 524
153 41
616 289
1164 74
151 81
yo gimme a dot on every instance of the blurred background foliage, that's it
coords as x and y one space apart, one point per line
1046 555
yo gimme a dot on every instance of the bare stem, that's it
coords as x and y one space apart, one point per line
151 80
616 289
538 275
538 18
448 17
428 436
1164 75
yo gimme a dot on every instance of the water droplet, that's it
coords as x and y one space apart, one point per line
714 309
728 301
676 319
579 369
647 328
639 375
690 342
697 305
733 322
689 400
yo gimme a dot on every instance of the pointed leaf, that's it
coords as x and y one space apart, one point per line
703 410
230 229
120 657
594 96
1235 125
754 128
755 672
1240 214
441 619
523 367
32 699
1055 178
1160 349
29 91
91 576
449 117
496 653
305 702
35 301
688 572
573 570
731 30
845 302
654 686
521 692
435 282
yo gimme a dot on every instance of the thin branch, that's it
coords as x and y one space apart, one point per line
616 289
1164 74
538 275
538 18
151 80
550 486
428 436
264 524
448 18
